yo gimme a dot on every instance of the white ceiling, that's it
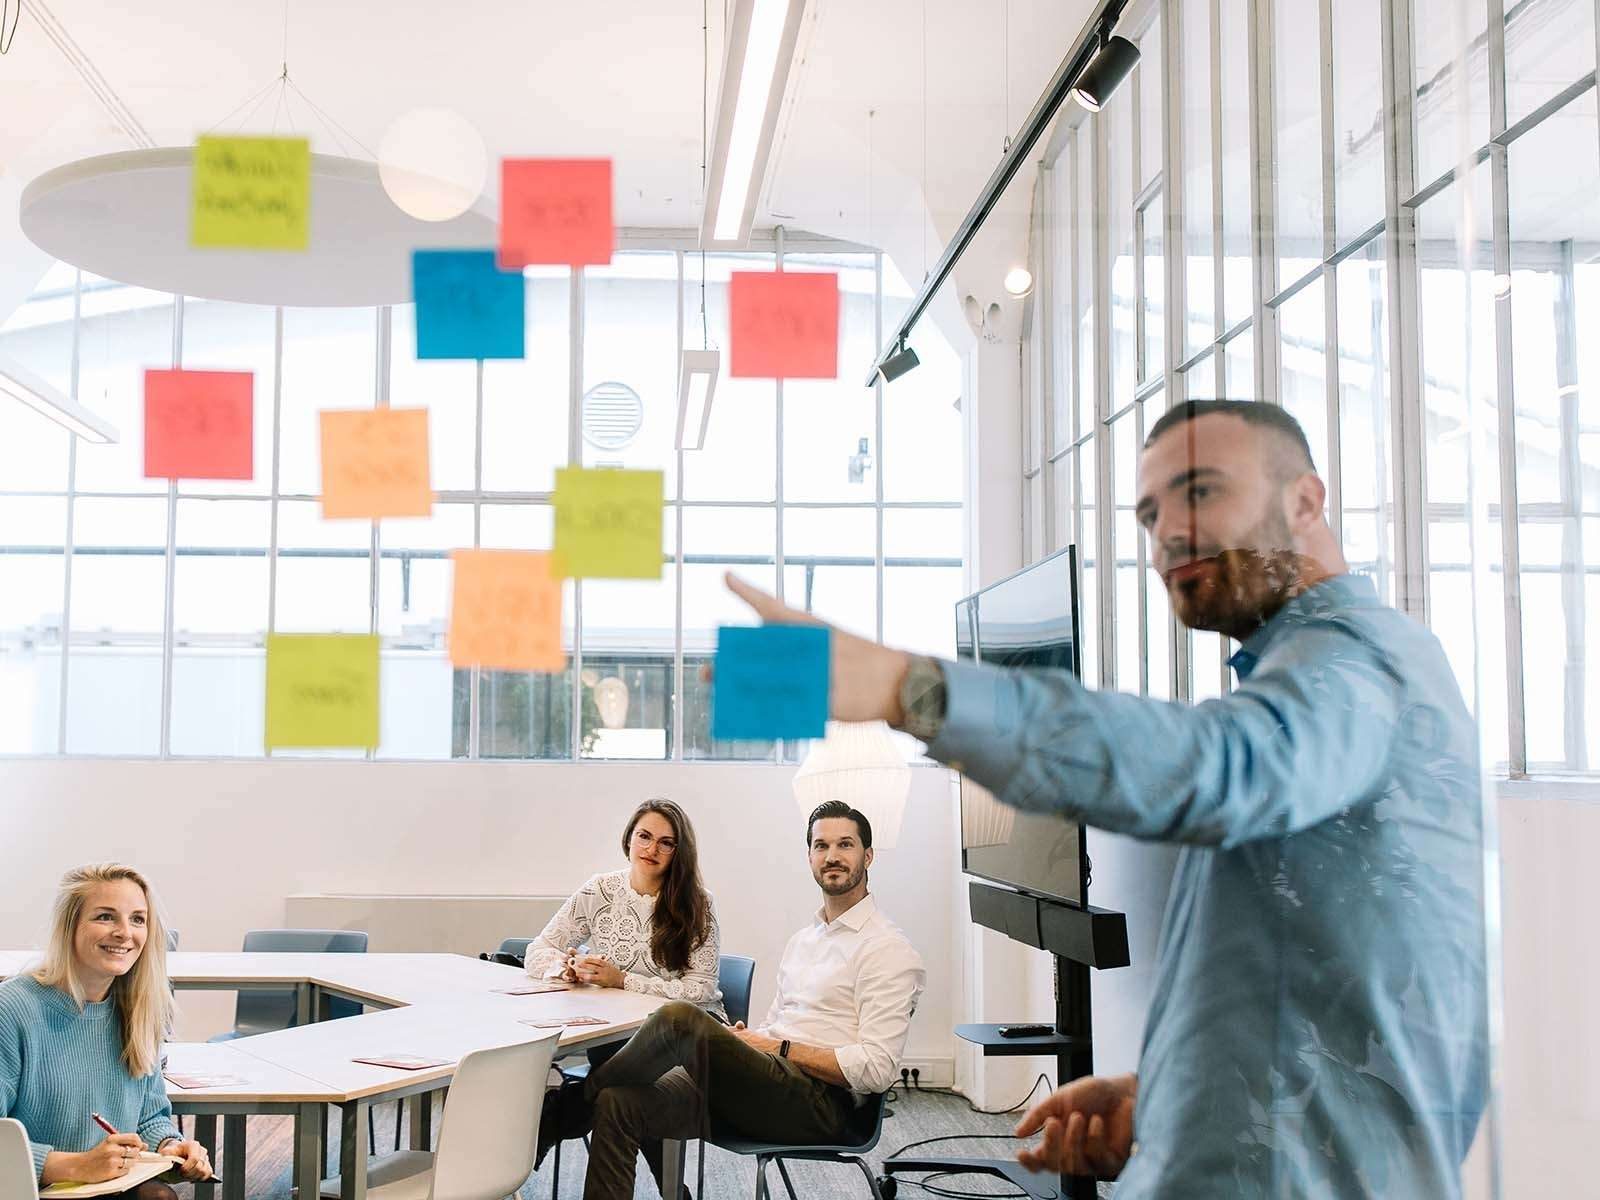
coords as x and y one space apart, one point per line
621 79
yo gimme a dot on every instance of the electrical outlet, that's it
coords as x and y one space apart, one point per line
905 1077
916 1077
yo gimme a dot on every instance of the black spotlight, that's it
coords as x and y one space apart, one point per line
897 364
1105 72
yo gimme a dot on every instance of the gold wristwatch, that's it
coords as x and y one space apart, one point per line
922 699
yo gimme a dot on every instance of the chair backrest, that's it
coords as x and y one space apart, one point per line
489 1132
172 940
868 1122
267 1009
513 952
735 975
16 1164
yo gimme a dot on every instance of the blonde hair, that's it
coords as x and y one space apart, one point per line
142 997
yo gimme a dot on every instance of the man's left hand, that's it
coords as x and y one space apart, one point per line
758 1041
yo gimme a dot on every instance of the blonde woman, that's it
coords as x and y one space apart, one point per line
82 1035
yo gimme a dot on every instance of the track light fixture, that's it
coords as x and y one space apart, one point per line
897 364
1115 61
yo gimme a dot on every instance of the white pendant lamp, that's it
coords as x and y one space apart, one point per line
860 764
433 164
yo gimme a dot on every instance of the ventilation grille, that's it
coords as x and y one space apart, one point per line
612 415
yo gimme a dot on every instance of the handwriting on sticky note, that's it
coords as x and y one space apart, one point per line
505 611
252 193
770 681
607 524
199 425
555 211
783 325
466 307
375 463
322 690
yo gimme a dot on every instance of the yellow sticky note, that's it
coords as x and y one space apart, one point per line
322 690
375 463
252 193
505 611
608 524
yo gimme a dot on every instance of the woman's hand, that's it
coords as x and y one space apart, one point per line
568 971
111 1159
597 972
196 1163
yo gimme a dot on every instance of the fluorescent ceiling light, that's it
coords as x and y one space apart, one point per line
697 383
755 75
19 383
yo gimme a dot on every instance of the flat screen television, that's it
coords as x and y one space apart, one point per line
1029 619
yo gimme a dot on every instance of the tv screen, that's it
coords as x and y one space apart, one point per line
1027 620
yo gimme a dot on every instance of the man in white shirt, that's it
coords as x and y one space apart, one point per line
847 987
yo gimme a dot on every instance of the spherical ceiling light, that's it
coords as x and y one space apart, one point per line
433 164
1019 282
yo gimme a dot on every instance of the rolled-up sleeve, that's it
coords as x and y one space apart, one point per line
889 984
1307 735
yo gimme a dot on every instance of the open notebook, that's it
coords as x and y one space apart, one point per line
147 1167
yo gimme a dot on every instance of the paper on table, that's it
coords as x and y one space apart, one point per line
252 193
555 211
563 1023
199 424
322 690
375 463
466 306
532 989
202 1081
608 524
144 1169
783 325
505 611
770 681
405 1062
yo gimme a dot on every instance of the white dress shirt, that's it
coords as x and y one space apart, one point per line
850 986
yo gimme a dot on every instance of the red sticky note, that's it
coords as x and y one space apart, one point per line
783 325
199 424
555 212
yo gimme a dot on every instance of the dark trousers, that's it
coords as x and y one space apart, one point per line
685 1074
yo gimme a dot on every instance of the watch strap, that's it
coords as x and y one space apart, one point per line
923 701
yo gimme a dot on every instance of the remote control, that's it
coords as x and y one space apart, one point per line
1019 1031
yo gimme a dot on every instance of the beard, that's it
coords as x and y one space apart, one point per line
1245 586
834 887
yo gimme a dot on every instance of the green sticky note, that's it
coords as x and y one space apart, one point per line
608 524
252 193
322 690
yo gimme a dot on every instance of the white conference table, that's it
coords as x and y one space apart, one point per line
430 1005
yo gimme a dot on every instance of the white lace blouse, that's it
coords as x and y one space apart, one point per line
613 920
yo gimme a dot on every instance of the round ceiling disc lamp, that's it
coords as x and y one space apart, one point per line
433 164
1018 282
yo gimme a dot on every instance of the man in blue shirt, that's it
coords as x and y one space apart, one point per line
1318 1027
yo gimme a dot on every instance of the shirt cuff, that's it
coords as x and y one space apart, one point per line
40 1152
982 734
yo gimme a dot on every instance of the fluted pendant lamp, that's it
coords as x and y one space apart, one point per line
860 764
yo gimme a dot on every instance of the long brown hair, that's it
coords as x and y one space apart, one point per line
682 919
143 999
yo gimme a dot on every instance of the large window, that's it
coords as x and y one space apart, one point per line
1443 377
133 615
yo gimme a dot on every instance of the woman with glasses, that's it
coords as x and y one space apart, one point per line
650 927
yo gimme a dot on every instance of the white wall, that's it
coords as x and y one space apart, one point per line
225 842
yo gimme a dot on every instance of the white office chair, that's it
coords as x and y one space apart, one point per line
487 1135
16 1164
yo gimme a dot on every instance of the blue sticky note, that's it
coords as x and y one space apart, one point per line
770 681
466 306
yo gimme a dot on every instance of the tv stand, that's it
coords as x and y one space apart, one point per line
1079 939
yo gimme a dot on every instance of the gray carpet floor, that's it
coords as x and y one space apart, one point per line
914 1116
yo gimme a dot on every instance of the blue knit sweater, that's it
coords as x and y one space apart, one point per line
58 1065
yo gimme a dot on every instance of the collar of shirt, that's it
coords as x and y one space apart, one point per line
854 918
1340 591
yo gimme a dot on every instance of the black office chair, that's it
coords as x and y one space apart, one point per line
513 952
869 1124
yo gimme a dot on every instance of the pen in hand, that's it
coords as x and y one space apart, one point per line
111 1129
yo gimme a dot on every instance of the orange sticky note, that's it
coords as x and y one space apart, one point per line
375 463
783 325
555 211
505 611
199 424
